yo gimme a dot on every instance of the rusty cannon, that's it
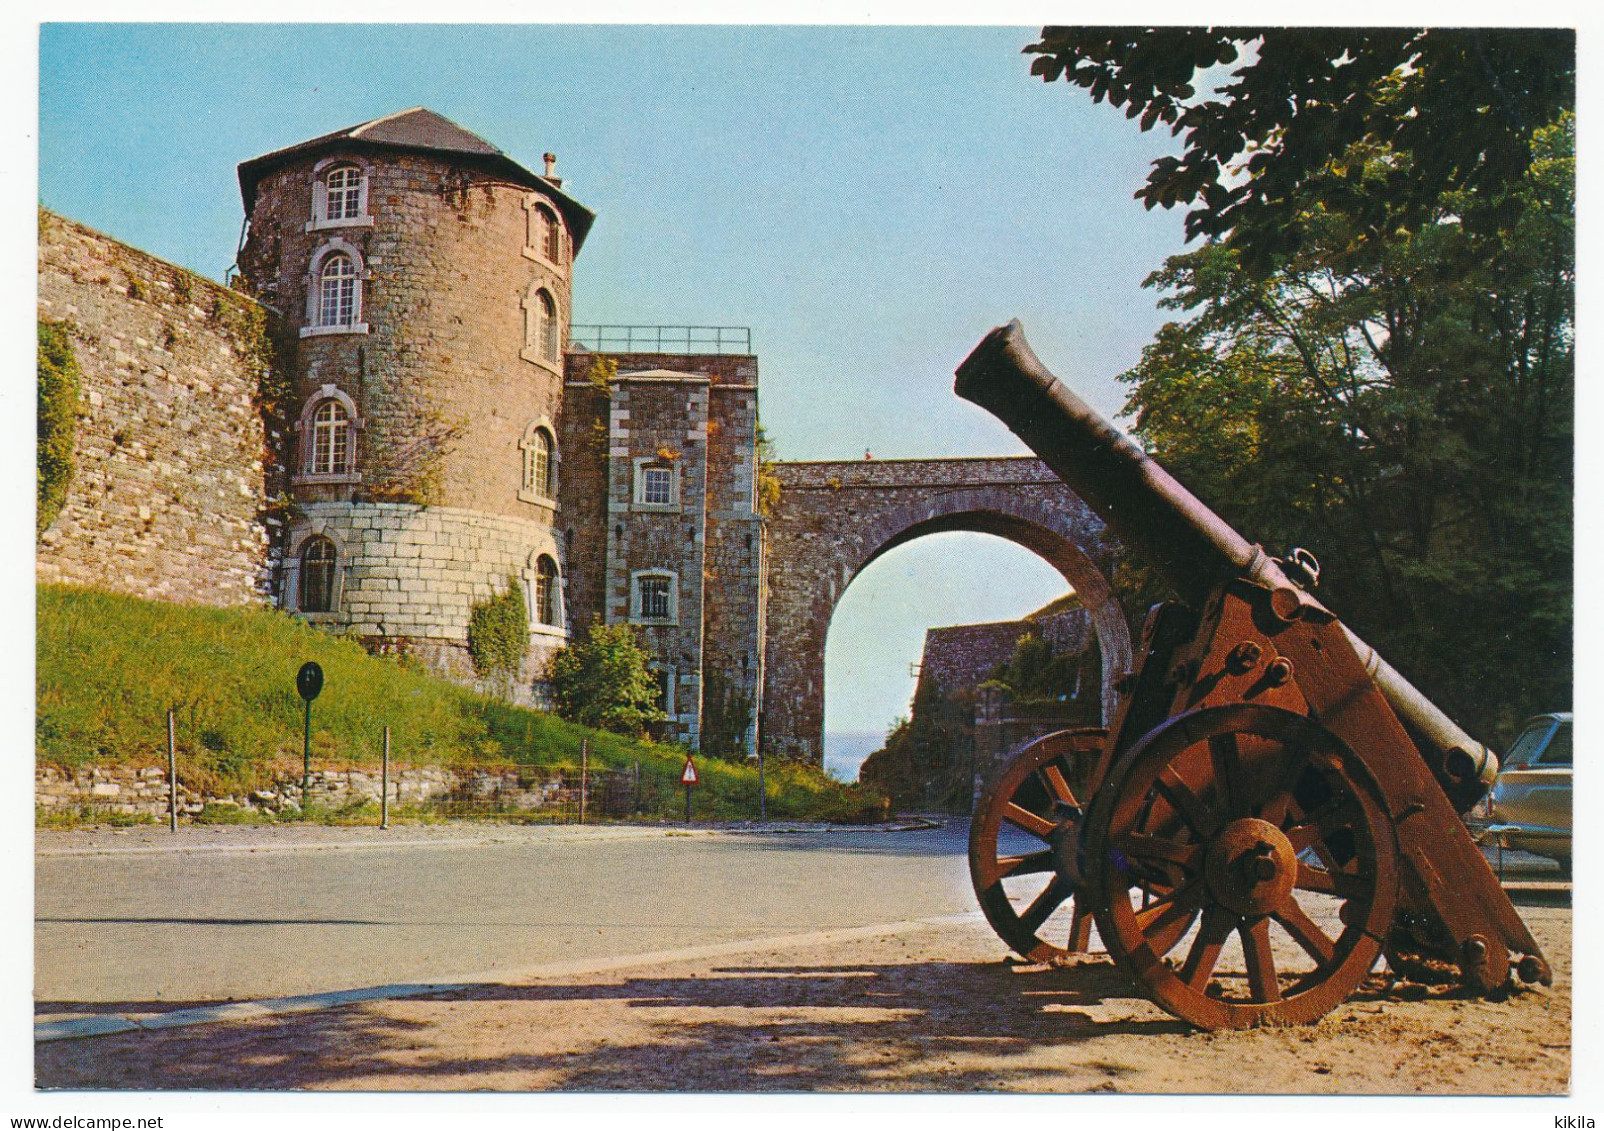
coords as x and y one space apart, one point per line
1272 808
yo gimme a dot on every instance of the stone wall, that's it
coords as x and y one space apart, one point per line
168 497
123 791
408 576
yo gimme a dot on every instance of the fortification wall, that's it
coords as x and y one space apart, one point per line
167 500
410 575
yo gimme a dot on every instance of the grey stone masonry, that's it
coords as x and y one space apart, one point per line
168 497
410 574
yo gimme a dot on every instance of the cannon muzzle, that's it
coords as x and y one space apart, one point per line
1195 549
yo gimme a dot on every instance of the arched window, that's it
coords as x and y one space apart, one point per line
317 575
546 326
551 235
539 476
338 294
546 593
331 440
343 193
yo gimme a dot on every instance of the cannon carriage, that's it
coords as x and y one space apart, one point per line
1272 808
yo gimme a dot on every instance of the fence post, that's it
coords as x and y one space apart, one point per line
584 773
172 776
384 784
637 787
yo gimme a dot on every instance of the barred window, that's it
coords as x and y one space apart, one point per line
546 591
317 575
337 291
331 439
654 598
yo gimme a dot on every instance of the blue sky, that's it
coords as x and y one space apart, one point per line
868 200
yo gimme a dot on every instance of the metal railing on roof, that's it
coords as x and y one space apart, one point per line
662 339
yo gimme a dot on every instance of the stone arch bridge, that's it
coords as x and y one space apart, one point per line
835 518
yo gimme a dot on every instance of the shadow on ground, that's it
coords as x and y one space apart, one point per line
741 1028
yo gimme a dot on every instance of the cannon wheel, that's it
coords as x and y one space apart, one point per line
1245 821
1040 793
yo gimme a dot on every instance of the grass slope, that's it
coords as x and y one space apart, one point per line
110 667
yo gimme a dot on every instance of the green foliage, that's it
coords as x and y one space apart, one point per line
1041 681
768 480
727 714
109 668
1403 407
602 680
928 759
59 384
498 633
1454 110
601 375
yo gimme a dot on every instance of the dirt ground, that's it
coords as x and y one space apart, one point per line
939 1008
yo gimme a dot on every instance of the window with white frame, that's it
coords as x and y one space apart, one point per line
546 234
318 560
539 481
656 484
342 193
331 440
542 328
339 195
547 603
339 291
654 599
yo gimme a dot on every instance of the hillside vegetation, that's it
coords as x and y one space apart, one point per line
110 667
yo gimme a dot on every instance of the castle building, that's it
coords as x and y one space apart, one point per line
447 437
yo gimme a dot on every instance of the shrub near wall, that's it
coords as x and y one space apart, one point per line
59 381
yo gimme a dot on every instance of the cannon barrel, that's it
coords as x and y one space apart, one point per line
1194 548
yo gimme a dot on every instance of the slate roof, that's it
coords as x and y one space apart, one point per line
419 129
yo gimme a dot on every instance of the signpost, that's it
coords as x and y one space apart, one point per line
308 682
688 776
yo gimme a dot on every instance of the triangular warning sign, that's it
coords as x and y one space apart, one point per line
688 775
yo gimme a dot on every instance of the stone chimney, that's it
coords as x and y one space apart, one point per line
551 169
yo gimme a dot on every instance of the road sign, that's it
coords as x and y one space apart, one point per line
309 680
688 775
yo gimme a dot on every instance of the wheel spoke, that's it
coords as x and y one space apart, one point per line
1042 907
1262 983
1217 925
1226 757
1319 824
1166 921
1024 865
1146 847
1018 815
1278 800
1193 809
1080 929
1305 931
1345 885
1057 787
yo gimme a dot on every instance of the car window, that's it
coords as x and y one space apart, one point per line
1558 751
1530 743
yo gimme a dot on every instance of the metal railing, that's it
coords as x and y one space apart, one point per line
662 339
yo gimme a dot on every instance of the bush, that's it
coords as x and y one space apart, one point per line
602 680
59 380
498 633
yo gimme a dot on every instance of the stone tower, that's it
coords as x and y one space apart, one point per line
423 280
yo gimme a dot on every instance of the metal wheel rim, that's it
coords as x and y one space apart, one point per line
1168 789
1018 917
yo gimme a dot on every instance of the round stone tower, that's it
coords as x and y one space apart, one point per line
423 280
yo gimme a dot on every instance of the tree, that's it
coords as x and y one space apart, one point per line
602 680
1404 407
1455 109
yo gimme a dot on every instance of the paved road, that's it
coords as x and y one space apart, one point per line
158 920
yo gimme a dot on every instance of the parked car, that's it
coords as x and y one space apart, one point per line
1532 796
